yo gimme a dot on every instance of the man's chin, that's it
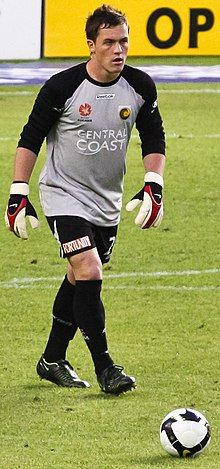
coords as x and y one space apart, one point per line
117 67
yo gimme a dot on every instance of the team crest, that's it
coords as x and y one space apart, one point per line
125 112
85 110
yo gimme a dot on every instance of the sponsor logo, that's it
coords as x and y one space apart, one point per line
85 110
91 142
76 244
105 96
154 106
125 112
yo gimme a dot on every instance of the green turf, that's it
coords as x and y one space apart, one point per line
136 60
181 60
163 328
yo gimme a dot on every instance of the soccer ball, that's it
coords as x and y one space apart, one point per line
185 433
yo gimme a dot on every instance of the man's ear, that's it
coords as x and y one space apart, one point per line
91 46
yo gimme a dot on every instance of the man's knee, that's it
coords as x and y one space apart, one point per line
86 265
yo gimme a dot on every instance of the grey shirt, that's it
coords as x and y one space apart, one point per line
88 126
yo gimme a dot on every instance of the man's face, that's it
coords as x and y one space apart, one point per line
109 51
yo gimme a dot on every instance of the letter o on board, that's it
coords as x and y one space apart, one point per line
151 28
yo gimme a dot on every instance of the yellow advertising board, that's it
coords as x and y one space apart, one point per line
157 27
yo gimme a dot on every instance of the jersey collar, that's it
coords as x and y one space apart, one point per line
100 83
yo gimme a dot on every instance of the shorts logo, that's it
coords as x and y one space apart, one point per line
85 109
125 113
76 244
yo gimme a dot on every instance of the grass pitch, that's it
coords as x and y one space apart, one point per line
161 292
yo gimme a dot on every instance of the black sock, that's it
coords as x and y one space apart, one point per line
89 315
64 326
102 311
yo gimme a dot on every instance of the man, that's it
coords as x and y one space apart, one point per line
87 113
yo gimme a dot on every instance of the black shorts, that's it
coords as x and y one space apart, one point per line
75 235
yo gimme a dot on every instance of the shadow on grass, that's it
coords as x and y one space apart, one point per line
102 395
78 392
159 460
148 461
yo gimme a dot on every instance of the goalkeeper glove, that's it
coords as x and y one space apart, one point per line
150 197
18 209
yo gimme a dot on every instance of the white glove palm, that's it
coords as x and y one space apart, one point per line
150 198
19 208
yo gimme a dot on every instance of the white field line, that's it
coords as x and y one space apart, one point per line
164 287
175 273
166 91
7 139
134 137
183 288
189 91
48 282
211 136
16 93
179 136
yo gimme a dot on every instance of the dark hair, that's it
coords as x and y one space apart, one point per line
105 16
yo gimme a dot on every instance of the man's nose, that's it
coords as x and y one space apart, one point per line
118 47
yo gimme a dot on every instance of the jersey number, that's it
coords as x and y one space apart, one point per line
112 242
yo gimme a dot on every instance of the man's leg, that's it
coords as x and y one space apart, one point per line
53 365
88 313
63 325
86 247
87 306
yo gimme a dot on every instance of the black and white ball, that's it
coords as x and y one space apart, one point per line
185 433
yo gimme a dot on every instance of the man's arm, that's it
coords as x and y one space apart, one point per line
43 115
23 164
150 127
155 162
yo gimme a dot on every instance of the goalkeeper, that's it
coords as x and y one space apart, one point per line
87 113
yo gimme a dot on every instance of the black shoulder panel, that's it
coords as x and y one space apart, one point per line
149 123
49 105
140 81
62 85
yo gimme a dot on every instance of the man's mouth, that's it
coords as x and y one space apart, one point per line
118 60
